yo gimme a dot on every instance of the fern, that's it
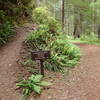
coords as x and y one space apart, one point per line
49 36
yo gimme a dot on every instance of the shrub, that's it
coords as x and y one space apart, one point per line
49 36
63 53
40 15
41 37
90 38
6 28
6 31
2 16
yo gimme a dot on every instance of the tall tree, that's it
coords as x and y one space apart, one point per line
63 14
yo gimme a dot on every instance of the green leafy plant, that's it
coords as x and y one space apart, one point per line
90 38
6 28
49 36
28 63
6 31
63 54
2 16
41 37
33 83
40 15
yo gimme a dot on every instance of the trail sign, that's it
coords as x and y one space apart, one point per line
38 55
41 56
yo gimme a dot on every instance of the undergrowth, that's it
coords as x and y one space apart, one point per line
6 29
33 83
49 36
87 38
90 38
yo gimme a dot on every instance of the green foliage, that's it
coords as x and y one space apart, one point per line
40 37
2 15
6 28
49 36
63 54
90 38
40 15
33 83
79 3
18 11
95 4
28 63
6 31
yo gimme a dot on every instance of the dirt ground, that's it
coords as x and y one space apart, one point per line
9 69
81 83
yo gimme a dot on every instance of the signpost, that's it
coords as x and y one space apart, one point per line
41 56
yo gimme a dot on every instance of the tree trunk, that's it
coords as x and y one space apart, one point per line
99 32
75 30
63 14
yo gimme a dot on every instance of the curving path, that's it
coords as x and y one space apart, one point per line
9 69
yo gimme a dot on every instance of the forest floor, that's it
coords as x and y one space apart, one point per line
9 69
80 83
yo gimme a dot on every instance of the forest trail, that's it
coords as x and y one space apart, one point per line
8 66
82 82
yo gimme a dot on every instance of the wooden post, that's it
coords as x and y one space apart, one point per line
41 56
42 67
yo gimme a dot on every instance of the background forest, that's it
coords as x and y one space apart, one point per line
59 23
81 14
80 18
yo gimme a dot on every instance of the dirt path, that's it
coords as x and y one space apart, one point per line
83 83
8 66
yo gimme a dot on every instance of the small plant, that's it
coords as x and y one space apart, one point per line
33 83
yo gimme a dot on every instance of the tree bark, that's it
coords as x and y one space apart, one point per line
75 30
63 14
99 32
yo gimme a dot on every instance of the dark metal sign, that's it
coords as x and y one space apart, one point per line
41 56
38 55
